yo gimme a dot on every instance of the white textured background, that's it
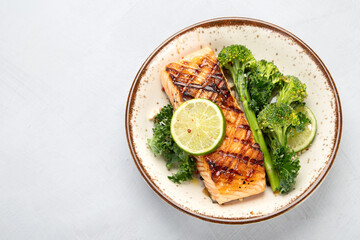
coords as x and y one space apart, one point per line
65 71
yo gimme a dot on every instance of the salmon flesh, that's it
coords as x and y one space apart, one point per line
236 169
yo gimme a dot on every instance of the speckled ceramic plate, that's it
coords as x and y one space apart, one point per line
266 41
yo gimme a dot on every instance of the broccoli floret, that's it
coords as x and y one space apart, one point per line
269 71
292 91
276 120
263 77
236 59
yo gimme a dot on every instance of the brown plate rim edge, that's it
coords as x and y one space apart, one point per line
239 21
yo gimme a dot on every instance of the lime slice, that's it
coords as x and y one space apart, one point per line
198 126
302 140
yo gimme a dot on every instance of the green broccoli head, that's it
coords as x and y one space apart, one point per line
293 91
276 120
269 71
235 58
263 77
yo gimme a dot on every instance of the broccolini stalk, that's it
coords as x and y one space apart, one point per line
236 58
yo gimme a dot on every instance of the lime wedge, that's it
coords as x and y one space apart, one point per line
198 126
302 140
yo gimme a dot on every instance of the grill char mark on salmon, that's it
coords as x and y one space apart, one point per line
236 169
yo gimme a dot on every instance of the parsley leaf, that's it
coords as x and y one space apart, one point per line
287 165
303 122
162 144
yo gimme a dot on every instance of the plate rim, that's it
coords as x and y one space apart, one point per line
236 21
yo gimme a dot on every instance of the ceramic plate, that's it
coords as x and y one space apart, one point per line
266 41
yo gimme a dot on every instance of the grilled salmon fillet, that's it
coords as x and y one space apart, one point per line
236 169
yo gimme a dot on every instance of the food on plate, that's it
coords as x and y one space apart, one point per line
162 144
256 83
300 140
262 78
277 120
292 91
274 126
235 170
198 126
237 59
